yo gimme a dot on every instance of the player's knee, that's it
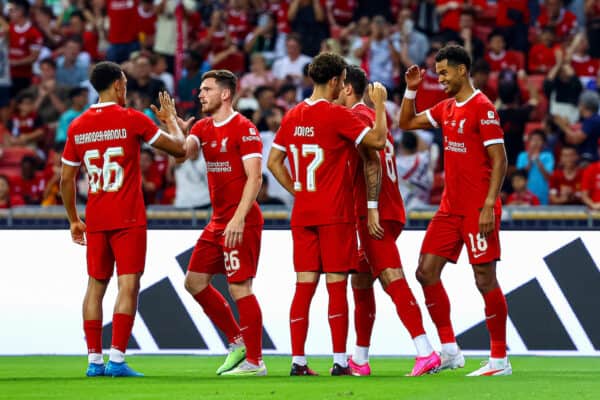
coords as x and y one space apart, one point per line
240 290
362 281
423 276
485 283
194 285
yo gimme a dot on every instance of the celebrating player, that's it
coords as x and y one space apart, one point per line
474 165
107 139
380 218
319 138
230 243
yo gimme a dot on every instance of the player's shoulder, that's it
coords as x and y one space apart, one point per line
200 125
130 112
481 99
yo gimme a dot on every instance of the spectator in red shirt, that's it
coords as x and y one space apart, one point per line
152 180
480 73
565 182
555 16
8 200
499 58
26 128
147 23
590 186
25 43
513 19
450 10
521 196
77 26
123 29
238 20
585 66
542 55
30 185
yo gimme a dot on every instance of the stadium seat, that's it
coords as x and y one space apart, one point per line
12 156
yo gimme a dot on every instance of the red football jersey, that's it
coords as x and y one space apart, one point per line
430 92
342 10
558 183
506 60
566 24
521 199
585 66
319 139
591 181
147 21
107 139
451 18
391 207
468 128
31 191
24 124
238 24
280 10
225 145
22 41
541 58
502 18
123 19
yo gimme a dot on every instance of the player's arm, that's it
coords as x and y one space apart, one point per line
375 137
68 177
409 119
497 156
276 165
235 228
173 141
372 171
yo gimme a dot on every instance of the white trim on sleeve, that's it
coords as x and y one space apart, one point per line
155 137
278 147
70 163
430 118
197 140
492 141
362 135
251 155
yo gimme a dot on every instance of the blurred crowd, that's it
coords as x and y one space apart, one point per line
539 61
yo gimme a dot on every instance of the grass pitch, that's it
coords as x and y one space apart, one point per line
192 377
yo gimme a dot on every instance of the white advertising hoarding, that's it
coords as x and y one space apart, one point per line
551 281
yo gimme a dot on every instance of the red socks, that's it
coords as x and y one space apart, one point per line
93 335
299 315
251 327
407 307
217 309
122 325
338 315
496 313
438 305
364 315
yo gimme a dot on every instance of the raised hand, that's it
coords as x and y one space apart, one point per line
185 125
167 107
413 77
377 93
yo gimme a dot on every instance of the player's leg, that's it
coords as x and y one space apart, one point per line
100 264
496 314
129 248
307 265
207 259
337 245
483 254
364 319
241 264
442 243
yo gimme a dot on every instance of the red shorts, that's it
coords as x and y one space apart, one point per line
377 255
447 233
125 246
237 263
325 248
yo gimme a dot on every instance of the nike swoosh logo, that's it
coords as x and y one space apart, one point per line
335 316
478 255
491 316
295 320
203 143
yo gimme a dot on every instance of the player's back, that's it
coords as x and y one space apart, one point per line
391 205
319 138
107 140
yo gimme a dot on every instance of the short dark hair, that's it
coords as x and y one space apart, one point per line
224 78
22 4
538 132
77 91
356 77
104 74
568 146
496 32
261 89
519 173
148 151
409 140
325 67
77 14
24 95
481 66
48 61
455 54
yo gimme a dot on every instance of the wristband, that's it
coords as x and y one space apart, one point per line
410 94
372 204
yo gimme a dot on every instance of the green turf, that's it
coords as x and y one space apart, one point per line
191 377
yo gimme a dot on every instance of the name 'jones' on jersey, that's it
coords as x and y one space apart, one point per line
319 138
